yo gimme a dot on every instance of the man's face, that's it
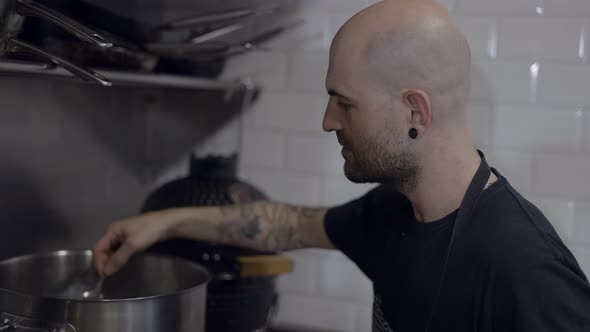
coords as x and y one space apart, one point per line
378 156
369 126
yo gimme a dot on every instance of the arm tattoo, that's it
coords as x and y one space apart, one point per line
267 227
251 229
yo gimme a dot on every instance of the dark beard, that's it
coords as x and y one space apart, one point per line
378 164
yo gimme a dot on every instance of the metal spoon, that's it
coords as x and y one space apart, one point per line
83 286
94 285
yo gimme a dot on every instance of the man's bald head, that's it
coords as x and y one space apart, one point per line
401 44
399 79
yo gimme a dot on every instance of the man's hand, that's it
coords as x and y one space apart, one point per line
127 237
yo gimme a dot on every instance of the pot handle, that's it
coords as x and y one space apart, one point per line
10 322
82 32
260 266
17 45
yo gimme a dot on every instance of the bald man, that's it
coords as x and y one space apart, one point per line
447 242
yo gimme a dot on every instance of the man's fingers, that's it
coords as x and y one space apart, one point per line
106 247
101 251
122 240
119 258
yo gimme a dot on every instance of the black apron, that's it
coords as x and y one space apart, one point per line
470 200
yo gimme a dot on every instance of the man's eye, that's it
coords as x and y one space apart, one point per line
344 106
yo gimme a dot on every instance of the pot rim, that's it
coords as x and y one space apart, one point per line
86 252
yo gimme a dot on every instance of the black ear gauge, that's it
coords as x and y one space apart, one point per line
413 133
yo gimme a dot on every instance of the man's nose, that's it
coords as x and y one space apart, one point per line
331 121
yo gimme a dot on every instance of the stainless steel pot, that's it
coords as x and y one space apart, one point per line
12 15
151 293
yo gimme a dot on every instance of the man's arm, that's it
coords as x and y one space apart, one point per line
263 225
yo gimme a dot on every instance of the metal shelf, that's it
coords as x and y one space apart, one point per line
122 78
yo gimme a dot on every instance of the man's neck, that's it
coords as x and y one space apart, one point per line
443 185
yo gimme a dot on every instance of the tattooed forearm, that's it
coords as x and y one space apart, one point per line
251 229
266 226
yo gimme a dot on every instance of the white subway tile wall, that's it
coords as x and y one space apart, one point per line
581 226
317 312
481 35
502 81
498 7
314 154
305 278
564 85
307 71
266 150
352 6
312 33
481 120
287 111
284 186
530 114
516 166
567 8
540 38
229 138
546 130
266 68
562 175
365 318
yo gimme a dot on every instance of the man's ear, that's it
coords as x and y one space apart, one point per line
420 106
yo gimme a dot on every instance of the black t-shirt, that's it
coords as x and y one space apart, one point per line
509 271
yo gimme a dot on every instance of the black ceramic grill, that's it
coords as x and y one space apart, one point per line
234 303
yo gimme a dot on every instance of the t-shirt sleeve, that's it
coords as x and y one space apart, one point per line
549 296
357 228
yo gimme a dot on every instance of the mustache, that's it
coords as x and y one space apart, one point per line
341 139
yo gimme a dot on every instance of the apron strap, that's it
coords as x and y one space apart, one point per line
464 214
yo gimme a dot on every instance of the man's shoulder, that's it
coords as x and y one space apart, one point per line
513 232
